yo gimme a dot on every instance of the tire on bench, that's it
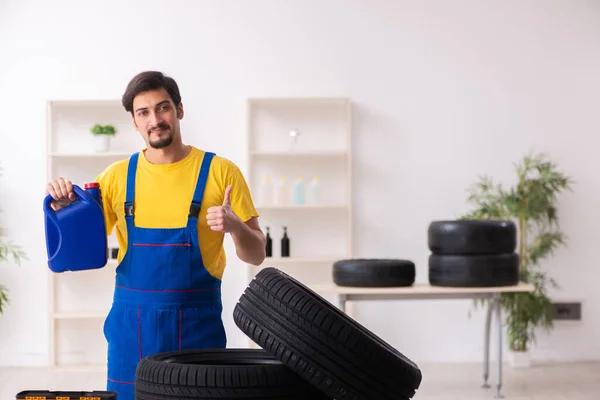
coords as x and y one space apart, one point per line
472 237
374 272
321 344
474 270
219 374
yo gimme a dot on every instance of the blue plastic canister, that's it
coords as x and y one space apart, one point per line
76 234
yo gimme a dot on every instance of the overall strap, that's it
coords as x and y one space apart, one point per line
199 192
129 196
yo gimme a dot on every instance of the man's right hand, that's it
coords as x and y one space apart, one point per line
61 191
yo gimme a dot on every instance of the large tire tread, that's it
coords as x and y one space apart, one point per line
157 379
320 343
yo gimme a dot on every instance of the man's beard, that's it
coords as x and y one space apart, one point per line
164 142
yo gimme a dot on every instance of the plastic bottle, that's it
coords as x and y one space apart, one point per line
285 243
266 192
282 193
76 234
299 191
269 246
313 195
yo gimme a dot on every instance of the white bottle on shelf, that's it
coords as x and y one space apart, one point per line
299 192
266 192
282 193
313 195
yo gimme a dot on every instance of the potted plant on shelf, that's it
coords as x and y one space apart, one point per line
532 204
103 134
8 251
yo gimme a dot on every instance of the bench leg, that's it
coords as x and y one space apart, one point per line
486 344
342 298
498 307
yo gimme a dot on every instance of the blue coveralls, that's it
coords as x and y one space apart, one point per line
164 297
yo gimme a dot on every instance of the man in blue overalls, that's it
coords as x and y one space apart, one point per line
172 205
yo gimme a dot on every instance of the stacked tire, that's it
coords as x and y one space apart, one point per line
473 253
310 350
374 272
219 374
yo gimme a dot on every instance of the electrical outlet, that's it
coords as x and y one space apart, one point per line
570 311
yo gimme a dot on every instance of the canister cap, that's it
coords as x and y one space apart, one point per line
92 185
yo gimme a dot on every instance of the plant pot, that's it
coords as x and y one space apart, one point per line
519 359
102 144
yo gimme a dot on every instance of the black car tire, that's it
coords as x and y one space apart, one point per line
327 348
219 374
472 237
474 271
374 273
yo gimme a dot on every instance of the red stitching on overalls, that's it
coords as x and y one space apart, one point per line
162 244
180 318
140 332
167 291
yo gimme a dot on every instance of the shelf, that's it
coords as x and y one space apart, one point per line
80 367
111 262
80 315
83 102
300 154
298 260
299 100
302 207
90 154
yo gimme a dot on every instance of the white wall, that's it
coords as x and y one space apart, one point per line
443 91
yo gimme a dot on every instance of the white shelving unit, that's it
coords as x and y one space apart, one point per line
79 301
319 233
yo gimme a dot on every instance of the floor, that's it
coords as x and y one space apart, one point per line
580 381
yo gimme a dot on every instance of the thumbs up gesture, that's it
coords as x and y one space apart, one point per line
222 218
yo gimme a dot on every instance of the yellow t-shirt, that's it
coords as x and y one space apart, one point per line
163 194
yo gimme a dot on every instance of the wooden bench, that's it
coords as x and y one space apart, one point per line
428 292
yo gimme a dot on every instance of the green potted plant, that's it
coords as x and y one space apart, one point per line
103 134
8 251
532 203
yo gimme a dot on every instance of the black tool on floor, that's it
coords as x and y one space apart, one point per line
50 395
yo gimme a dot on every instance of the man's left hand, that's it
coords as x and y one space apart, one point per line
222 218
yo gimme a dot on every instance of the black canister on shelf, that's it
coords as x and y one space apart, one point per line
269 246
285 243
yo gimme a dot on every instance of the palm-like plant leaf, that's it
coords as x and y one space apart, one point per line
532 203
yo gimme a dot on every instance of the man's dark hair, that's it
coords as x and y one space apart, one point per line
150 80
